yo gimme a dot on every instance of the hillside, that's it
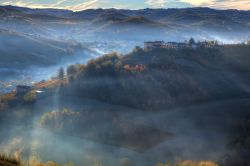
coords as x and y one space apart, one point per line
22 51
145 105
202 18
207 74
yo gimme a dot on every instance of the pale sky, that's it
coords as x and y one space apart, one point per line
77 5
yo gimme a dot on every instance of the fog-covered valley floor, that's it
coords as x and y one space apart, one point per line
192 132
11 77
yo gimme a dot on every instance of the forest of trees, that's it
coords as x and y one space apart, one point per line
165 74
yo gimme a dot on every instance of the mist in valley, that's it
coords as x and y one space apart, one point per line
191 132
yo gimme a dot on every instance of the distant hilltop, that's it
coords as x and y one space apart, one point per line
150 45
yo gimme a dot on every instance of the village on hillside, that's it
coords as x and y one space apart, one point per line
178 45
150 45
29 93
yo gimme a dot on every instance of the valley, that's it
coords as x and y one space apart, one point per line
120 87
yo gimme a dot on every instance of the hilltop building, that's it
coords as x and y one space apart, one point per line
161 44
153 45
178 45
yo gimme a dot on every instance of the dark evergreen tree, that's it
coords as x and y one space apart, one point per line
191 42
61 73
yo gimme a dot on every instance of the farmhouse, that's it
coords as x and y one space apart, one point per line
22 89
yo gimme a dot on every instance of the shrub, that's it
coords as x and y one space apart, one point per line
61 73
30 97
191 163
3 105
207 163
57 120
6 160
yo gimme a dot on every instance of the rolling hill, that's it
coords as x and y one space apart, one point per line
180 96
186 21
19 50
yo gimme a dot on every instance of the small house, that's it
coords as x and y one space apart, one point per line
22 89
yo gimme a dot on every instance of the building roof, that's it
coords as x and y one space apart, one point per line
155 42
23 86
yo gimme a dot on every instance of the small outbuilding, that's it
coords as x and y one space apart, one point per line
22 89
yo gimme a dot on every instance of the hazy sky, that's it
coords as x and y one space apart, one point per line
129 4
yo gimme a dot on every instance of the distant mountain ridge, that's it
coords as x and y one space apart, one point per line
192 18
228 26
157 14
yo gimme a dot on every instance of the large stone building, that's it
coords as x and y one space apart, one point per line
153 45
175 45
161 44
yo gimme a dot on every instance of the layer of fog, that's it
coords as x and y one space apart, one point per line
10 77
198 132
103 39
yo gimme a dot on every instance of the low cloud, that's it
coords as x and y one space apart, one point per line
156 3
85 5
221 4
61 4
